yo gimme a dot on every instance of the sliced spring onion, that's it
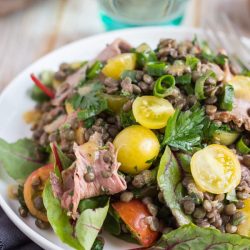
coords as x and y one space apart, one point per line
224 137
164 86
199 85
192 61
242 147
156 68
94 70
226 99
184 79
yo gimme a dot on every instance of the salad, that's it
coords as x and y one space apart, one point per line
150 145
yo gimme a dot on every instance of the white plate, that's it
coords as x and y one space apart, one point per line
14 101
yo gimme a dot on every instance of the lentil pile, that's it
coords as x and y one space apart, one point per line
161 135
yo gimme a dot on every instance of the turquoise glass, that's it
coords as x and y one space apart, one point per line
118 14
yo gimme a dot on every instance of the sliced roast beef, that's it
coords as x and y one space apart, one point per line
67 87
239 115
117 47
60 121
102 162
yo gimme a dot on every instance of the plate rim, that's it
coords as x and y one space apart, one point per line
13 216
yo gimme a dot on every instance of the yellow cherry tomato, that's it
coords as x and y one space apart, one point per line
244 228
152 112
216 169
136 147
116 65
241 86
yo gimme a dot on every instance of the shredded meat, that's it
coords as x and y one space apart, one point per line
117 47
239 114
75 187
67 87
60 121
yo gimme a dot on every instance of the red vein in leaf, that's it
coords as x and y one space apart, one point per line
57 159
41 86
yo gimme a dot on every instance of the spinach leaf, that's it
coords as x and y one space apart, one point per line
37 94
112 222
87 227
193 237
20 197
184 129
58 219
21 158
169 180
89 224
65 162
98 244
92 203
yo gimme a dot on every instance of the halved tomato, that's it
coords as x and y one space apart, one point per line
216 169
133 213
33 188
152 112
244 228
116 65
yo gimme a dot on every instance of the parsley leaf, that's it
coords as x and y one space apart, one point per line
127 119
184 129
89 100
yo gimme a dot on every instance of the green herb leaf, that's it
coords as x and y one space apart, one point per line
58 219
129 73
95 109
184 79
21 158
144 54
193 237
231 196
184 129
127 119
89 224
169 180
89 100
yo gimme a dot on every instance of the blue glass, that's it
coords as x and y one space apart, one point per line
119 14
